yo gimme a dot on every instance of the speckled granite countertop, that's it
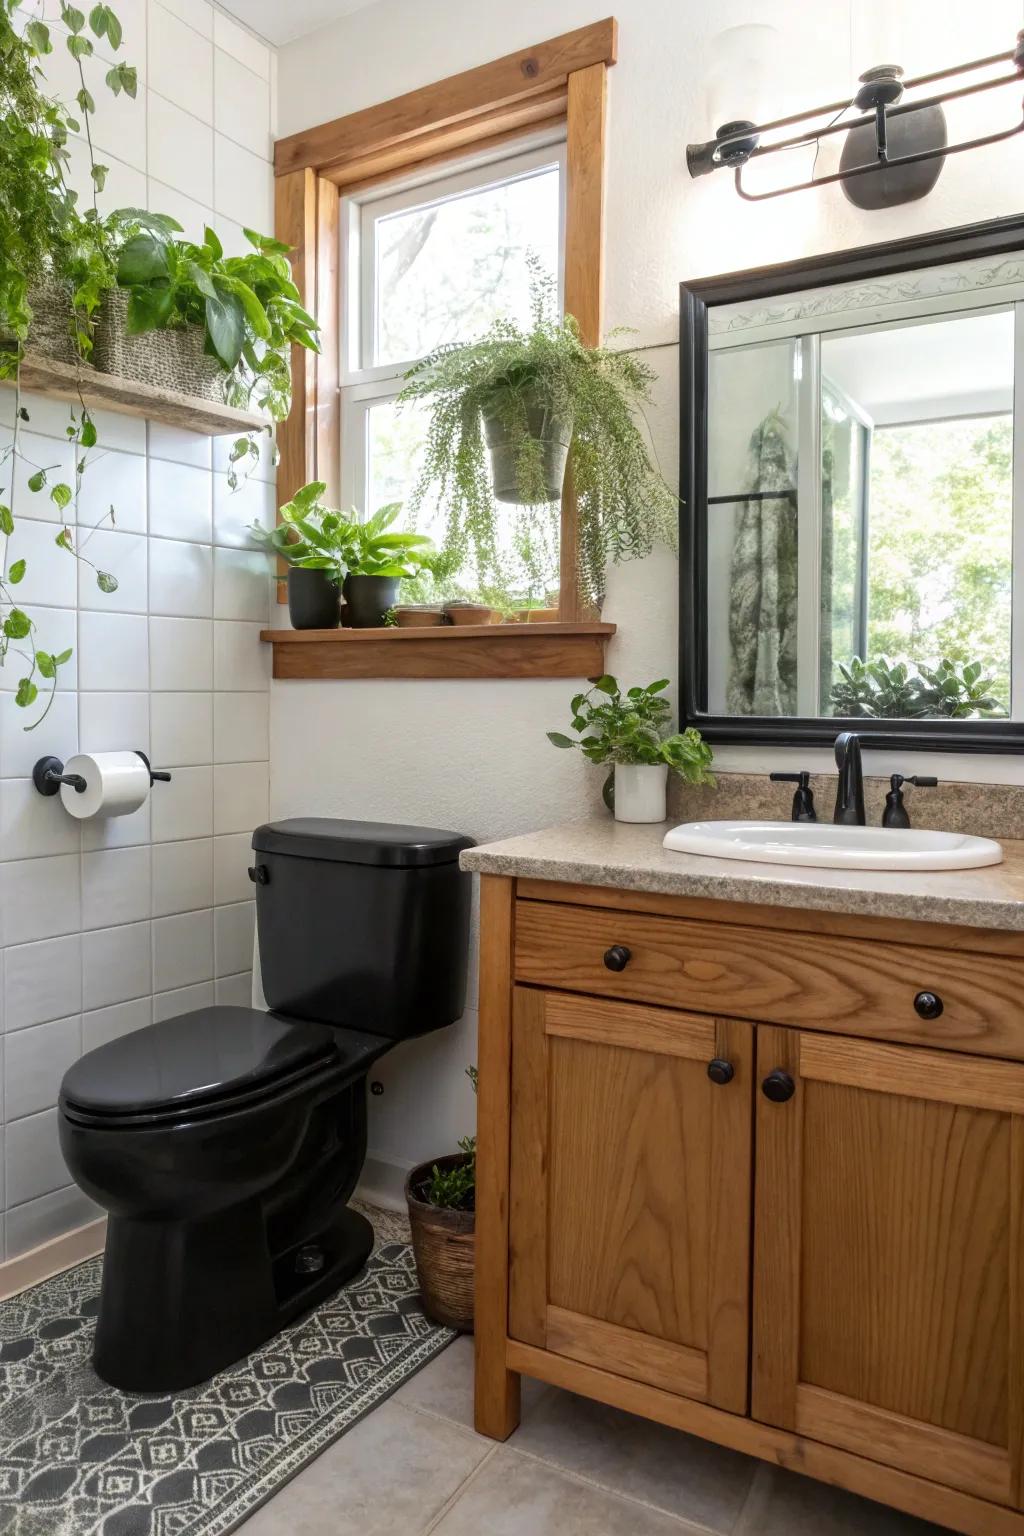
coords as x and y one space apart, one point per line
601 851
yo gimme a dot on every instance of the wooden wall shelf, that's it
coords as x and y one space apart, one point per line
467 651
48 376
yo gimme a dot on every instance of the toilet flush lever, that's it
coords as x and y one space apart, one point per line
259 874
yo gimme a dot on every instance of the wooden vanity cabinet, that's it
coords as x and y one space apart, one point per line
802 1242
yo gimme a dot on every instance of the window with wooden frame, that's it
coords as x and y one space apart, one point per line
492 130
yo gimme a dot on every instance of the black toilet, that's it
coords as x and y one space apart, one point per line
225 1143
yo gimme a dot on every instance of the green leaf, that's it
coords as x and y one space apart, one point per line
37 481
212 242
72 18
255 314
63 657
45 663
37 35
606 684
99 175
80 48
129 79
85 100
558 740
60 495
6 521
63 541
87 435
16 572
142 259
27 693
17 625
266 243
106 582
148 309
98 19
202 280
225 326
309 494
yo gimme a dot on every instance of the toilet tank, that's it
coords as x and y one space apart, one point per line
362 924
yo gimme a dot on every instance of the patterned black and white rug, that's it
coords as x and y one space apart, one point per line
78 1458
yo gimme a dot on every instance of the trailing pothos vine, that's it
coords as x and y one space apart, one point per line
43 236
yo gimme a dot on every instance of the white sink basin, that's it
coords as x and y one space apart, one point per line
830 847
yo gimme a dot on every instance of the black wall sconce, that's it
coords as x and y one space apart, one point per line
894 151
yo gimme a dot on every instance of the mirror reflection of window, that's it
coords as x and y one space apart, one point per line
916 518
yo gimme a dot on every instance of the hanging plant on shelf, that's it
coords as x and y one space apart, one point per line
505 413
55 264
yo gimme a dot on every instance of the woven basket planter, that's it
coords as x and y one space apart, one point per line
171 360
442 1242
52 332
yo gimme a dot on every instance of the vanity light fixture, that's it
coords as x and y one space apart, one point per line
895 148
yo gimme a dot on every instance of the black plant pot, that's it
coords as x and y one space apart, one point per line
313 599
369 598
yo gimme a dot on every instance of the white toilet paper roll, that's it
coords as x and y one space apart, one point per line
116 783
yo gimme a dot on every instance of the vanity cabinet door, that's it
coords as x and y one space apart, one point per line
888 1269
630 1191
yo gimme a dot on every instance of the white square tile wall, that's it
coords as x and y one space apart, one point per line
105 927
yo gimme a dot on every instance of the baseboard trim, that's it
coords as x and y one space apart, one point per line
383 1183
51 1258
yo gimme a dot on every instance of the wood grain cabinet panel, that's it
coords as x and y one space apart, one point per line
887 1294
630 1191
816 981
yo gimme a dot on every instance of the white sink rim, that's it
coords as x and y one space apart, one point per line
822 845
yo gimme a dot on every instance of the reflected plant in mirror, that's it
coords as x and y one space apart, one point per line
854 500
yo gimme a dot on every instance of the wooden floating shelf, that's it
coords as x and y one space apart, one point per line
457 650
65 381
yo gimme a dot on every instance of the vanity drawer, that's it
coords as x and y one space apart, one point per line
810 981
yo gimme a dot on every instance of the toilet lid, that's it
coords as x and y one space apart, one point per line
198 1059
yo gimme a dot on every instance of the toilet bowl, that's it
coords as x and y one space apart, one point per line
225 1143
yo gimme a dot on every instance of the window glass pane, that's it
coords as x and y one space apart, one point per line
527 536
446 270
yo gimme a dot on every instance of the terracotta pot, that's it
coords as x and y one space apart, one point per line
419 618
537 615
442 1243
469 613
313 599
554 436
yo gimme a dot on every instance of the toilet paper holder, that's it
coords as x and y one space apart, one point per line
48 775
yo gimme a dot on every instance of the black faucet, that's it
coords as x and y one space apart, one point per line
803 797
849 811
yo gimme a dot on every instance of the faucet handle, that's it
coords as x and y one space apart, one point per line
895 813
803 798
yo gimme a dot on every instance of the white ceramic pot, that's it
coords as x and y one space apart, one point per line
640 791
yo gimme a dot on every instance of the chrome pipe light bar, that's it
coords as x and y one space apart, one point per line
891 134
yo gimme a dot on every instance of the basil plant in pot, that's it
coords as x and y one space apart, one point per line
506 410
331 553
631 731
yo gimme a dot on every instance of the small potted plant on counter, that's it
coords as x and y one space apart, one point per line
631 731
441 1197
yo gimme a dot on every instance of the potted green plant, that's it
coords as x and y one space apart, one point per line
631 731
441 1199
326 550
523 397
220 326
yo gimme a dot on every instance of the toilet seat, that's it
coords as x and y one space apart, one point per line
207 1062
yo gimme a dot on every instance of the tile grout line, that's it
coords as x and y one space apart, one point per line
454 1498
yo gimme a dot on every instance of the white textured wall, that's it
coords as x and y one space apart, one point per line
473 755
104 928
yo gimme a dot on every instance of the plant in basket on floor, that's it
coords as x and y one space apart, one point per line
441 1197
326 550
631 731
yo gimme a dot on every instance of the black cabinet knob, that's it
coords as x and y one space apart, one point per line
778 1086
721 1071
617 958
928 1005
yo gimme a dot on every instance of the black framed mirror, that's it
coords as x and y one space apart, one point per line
852 496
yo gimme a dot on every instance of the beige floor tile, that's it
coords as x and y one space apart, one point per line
445 1386
514 1495
389 1476
785 1504
678 1473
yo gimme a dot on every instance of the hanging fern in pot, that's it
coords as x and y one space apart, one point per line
506 410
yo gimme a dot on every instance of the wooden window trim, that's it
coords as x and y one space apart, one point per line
561 80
